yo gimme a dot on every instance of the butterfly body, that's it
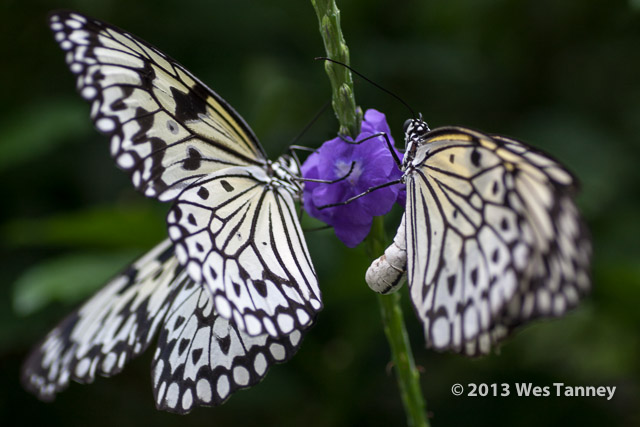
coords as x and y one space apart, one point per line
491 234
233 290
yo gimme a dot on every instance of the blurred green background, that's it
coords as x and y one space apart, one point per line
562 75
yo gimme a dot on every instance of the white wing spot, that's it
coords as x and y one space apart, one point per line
109 362
277 351
195 271
223 386
71 23
237 317
173 393
260 364
181 254
544 300
89 92
161 390
158 372
520 256
175 233
559 305
303 317
471 323
203 389
440 332
135 178
78 17
126 161
187 400
285 323
105 124
83 367
122 359
270 327
241 375
254 327
295 337
223 307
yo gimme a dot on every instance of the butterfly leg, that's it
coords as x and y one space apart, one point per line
375 135
364 193
327 181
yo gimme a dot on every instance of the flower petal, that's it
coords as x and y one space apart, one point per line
353 234
362 166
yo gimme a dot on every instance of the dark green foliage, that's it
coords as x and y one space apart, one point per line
563 76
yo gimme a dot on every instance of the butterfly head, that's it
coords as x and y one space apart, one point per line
415 130
286 169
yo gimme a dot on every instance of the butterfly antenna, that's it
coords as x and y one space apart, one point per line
311 123
324 58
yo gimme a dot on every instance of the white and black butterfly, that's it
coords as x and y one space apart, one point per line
233 290
490 238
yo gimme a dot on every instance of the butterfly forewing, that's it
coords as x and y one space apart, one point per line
493 238
236 272
116 324
202 358
173 134
166 128
237 231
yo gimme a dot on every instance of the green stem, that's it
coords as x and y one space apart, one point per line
407 375
350 117
342 99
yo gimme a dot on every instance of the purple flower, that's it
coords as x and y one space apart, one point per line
373 165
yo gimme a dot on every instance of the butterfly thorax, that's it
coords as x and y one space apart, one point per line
285 170
415 131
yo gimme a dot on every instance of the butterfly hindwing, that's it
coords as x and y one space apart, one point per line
202 358
166 128
113 326
493 238
239 234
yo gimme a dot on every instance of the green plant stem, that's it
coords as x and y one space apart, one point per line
350 117
408 376
342 99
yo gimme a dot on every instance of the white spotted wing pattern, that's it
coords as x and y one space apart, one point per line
173 135
260 272
200 360
166 128
116 324
234 290
493 237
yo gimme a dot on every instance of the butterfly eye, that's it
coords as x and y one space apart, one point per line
406 125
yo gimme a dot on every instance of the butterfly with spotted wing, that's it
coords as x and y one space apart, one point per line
233 290
490 239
